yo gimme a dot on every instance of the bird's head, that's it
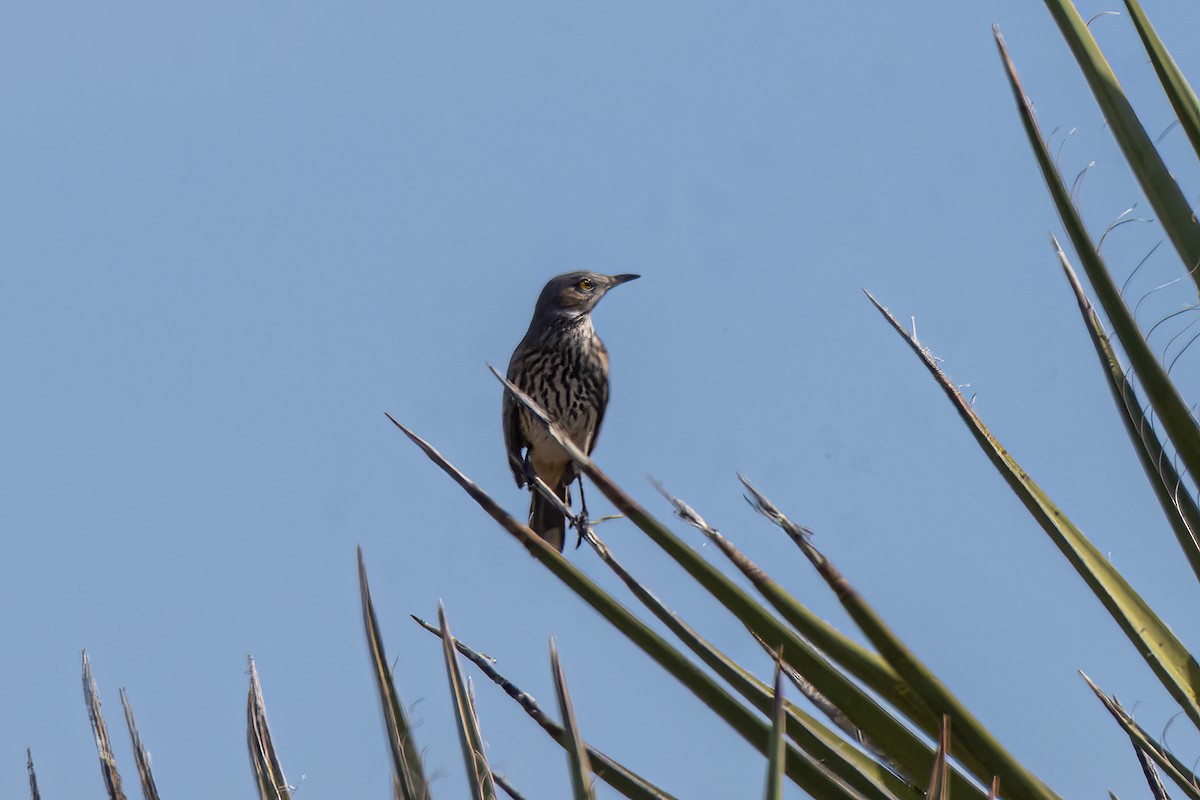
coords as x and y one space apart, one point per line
576 293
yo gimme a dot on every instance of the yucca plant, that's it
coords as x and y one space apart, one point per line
876 722
867 748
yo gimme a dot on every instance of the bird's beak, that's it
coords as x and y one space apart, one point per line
619 279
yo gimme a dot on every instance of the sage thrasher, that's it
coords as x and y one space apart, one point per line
562 364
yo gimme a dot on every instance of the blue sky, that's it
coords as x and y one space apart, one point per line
235 235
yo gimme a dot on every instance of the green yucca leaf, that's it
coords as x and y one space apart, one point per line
774 790
34 794
877 756
268 773
478 773
1178 90
1167 657
751 727
855 768
1174 413
1160 188
615 775
909 756
1163 652
580 769
857 705
864 664
939 784
1180 509
108 762
984 755
1144 745
406 758
140 754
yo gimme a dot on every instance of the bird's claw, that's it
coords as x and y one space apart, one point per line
581 528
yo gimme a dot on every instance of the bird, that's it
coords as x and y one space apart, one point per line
563 366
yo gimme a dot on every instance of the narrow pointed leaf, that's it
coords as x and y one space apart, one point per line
615 775
478 773
1160 188
580 769
801 770
268 773
406 758
1145 745
1174 413
1179 91
1177 503
873 752
983 755
34 794
910 757
140 754
108 762
856 659
774 790
855 768
1157 644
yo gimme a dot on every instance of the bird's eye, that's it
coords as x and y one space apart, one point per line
586 284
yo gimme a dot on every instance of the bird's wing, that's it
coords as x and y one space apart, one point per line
603 399
513 440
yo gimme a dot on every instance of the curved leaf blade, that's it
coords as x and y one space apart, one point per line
1179 91
774 790
577 759
140 753
479 774
1174 413
108 762
406 758
34 794
1156 643
268 772
1160 188
987 757
1177 504
859 771
1146 746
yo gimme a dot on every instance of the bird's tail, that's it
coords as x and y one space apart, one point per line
546 520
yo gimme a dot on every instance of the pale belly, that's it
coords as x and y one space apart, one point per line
550 461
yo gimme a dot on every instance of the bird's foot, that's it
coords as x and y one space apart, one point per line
581 527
